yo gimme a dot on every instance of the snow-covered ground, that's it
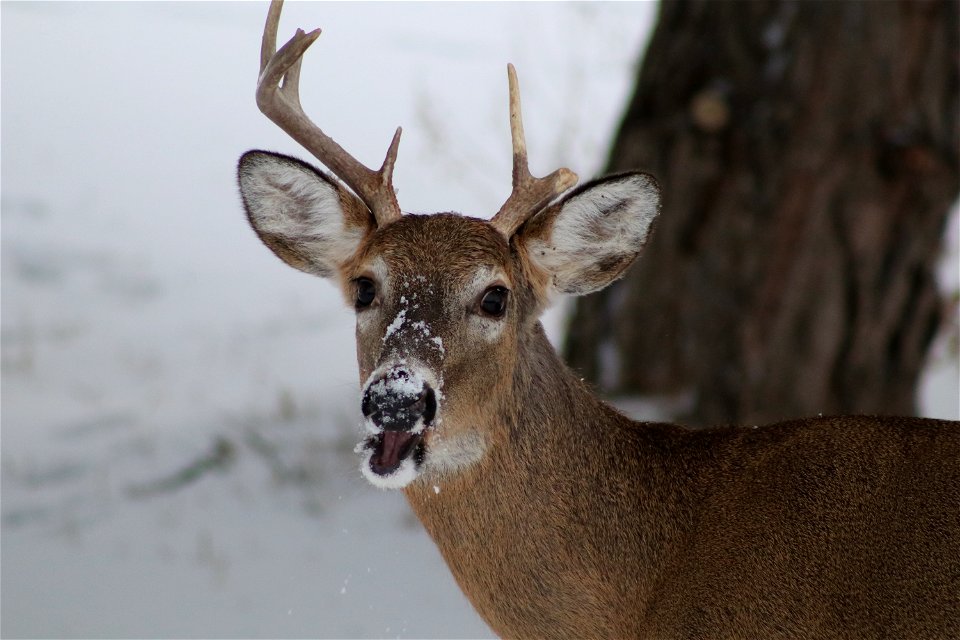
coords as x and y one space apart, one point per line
179 407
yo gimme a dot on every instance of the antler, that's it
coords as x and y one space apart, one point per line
281 103
529 194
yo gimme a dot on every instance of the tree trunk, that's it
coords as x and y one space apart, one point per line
807 153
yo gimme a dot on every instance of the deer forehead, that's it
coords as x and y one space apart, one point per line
437 254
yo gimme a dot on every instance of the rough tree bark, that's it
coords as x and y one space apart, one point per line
807 153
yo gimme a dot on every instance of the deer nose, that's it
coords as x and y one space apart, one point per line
399 401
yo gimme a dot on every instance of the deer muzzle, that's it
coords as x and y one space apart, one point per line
398 406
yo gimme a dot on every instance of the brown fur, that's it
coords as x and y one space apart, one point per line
576 522
585 524
580 523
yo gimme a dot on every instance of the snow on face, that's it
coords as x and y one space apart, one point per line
395 381
406 334
414 333
399 378
399 479
394 326
409 384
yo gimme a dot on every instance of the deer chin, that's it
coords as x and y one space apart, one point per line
392 459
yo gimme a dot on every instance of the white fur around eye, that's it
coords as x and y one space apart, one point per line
488 328
368 319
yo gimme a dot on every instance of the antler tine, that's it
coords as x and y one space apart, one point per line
529 194
281 103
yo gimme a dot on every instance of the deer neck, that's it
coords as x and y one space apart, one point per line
519 529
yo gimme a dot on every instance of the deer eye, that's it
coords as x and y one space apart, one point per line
494 301
366 292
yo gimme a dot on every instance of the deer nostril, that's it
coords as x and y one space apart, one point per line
366 406
399 401
430 408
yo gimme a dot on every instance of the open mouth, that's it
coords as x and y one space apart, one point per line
391 448
388 449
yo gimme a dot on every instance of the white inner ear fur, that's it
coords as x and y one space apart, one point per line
596 233
288 201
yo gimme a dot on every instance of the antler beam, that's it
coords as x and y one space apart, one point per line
529 194
278 96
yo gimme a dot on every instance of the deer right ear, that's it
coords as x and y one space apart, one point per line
589 238
307 219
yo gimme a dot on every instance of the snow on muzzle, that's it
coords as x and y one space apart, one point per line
398 406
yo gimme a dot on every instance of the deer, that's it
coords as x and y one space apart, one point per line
559 517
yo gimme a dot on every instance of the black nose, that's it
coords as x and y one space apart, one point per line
398 401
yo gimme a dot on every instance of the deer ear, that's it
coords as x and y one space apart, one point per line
588 239
307 219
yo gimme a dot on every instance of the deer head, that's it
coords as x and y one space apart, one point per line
445 304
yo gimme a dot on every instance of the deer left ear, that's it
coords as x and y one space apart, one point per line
306 218
587 240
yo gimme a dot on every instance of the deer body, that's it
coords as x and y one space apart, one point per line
611 528
558 516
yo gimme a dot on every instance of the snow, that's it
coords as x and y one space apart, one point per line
939 389
395 326
401 382
404 475
179 407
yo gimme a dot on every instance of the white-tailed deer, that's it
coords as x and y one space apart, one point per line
558 516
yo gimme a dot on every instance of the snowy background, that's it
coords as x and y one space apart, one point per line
179 407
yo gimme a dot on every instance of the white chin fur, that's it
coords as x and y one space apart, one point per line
446 455
443 456
404 475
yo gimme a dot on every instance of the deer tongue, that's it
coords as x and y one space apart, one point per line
392 448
